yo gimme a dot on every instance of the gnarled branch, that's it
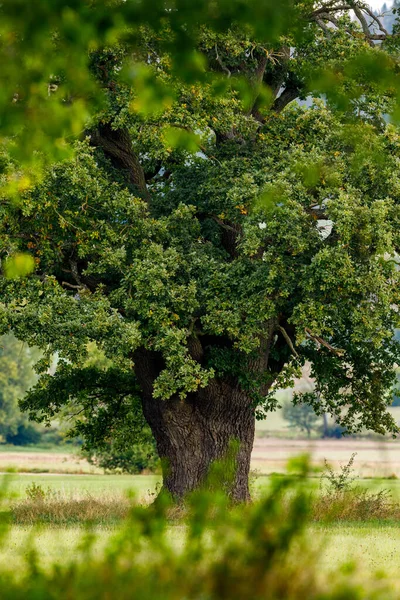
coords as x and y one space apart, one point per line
322 342
117 145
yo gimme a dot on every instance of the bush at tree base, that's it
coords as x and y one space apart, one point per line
133 458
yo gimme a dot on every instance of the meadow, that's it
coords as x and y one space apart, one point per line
51 512
325 554
53 498
370 547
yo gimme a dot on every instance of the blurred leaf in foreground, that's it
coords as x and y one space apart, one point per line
18 265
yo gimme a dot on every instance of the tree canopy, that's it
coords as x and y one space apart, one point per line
206 232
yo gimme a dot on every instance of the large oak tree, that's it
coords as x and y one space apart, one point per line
207 232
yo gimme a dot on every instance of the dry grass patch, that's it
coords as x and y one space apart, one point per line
355 505
342 500
58 508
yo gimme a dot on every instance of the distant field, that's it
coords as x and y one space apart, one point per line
275 444
38 448
373 458
270 454
43 460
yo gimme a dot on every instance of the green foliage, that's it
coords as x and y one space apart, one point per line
48 68
342 481
104 411
396 391
122 455
53 86
18 265
35 492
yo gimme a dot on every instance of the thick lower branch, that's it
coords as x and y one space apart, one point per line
117 145
289 94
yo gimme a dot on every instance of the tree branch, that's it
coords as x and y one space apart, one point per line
288 340
71 285
321 341
219 61
289 94
327 13
364 24
117 145
76 276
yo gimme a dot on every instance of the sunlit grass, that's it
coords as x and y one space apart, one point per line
140 485
372 548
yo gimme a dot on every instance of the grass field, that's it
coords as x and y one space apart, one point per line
142 486
371 547
374 546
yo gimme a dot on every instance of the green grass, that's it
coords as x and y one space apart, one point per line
52 545
38 448
95 485
143 484
373 546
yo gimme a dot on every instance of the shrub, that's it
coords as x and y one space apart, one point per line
25 435
334 430
124 458
342 500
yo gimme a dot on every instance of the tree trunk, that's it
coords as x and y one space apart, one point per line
325 426
215 423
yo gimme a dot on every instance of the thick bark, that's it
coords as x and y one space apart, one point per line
193 433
